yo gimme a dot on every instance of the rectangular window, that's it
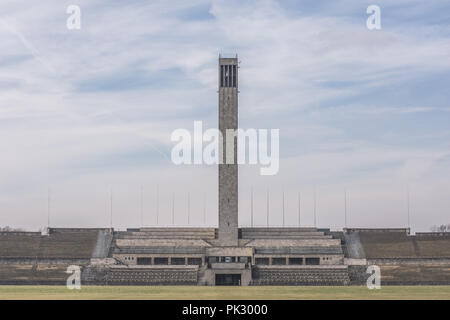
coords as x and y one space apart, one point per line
262 261
195 261
224 78
227 76
279 261
144 261
161 261
177 261
231 76
295 260
228 279
312 261
229 259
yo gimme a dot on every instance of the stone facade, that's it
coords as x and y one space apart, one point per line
300 255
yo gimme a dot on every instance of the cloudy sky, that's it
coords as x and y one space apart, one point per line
87 111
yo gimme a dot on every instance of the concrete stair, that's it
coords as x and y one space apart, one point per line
283 233
169 233
201 276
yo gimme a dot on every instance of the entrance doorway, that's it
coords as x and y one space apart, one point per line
228 279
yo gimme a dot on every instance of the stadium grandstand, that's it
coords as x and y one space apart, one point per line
193 256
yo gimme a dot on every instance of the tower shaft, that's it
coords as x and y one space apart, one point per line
228 172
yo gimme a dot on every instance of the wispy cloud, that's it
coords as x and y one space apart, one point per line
83 110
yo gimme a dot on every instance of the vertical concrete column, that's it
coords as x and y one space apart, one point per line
228 172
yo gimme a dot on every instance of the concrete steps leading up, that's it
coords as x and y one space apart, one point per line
280 229
168 233
283 233
167 236
284 236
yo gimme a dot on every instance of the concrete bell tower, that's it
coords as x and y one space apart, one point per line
228 172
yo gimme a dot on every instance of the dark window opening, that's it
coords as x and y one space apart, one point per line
295 261
262 261
144 261
228 279
177 261
227 76
312 261
231 76
227 259
224 76
161 261
195 261
279 261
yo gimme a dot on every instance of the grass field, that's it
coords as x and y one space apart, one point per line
211 293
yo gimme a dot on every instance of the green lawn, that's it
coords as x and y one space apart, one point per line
211 293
